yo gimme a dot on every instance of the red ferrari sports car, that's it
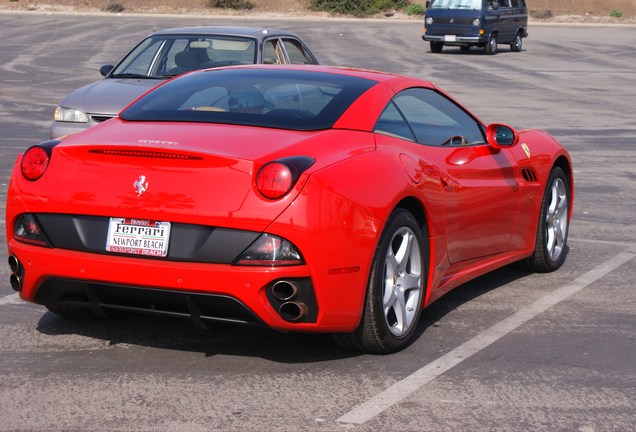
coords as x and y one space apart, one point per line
306 199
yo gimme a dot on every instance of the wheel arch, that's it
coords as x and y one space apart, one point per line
565 165
420 213
416 208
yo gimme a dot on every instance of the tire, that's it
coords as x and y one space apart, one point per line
515 45
491 45
437 47
552 228
395 289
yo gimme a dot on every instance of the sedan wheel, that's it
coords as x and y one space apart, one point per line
396 289
552 230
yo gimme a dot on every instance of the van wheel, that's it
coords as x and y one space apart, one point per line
491 46
515 45
437 47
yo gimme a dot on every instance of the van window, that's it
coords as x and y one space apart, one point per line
456 4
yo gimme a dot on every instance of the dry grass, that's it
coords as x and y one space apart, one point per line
582 7
560 10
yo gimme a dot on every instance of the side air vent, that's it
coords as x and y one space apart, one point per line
529 175
145 154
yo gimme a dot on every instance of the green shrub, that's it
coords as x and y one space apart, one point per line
415 9
231 4
357 8
616 13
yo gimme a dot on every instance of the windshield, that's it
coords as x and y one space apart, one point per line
278 98
165 56
456 4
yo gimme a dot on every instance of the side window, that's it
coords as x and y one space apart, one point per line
436 120
296 52
271 54
141 59
178 45
392 123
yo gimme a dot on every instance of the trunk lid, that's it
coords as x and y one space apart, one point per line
187 172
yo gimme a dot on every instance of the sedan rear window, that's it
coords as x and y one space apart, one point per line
285 99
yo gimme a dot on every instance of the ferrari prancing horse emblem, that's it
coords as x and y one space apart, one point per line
141 184
526 149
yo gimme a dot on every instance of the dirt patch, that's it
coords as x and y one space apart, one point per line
594 11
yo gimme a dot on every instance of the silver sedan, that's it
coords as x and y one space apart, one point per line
167 53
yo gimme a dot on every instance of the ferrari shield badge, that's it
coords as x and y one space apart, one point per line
141 184
526 149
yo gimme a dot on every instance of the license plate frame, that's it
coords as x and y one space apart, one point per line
138 237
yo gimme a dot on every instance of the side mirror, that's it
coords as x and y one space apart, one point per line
500 136
105 70
428 4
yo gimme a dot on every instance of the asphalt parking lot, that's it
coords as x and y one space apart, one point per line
508 351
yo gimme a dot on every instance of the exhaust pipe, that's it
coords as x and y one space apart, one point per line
285 290
16 282
292 311
14 264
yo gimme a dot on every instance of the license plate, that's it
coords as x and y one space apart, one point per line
450 38
138 237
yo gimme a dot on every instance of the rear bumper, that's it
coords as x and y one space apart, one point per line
202 292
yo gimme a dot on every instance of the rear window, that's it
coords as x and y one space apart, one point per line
286 99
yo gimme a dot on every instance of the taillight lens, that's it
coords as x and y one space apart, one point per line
28 230
270 250
34 163
275 179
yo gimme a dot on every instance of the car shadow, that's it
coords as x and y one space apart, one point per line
247 341
465 293
474 52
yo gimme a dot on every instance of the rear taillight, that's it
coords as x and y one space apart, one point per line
36 159
34 163
275 179
270 250
27 230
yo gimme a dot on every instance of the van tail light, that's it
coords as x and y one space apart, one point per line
275 179
35 160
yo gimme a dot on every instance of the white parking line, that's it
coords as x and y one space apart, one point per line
402 389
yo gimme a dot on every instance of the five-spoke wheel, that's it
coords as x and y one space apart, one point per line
396 288
552 230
